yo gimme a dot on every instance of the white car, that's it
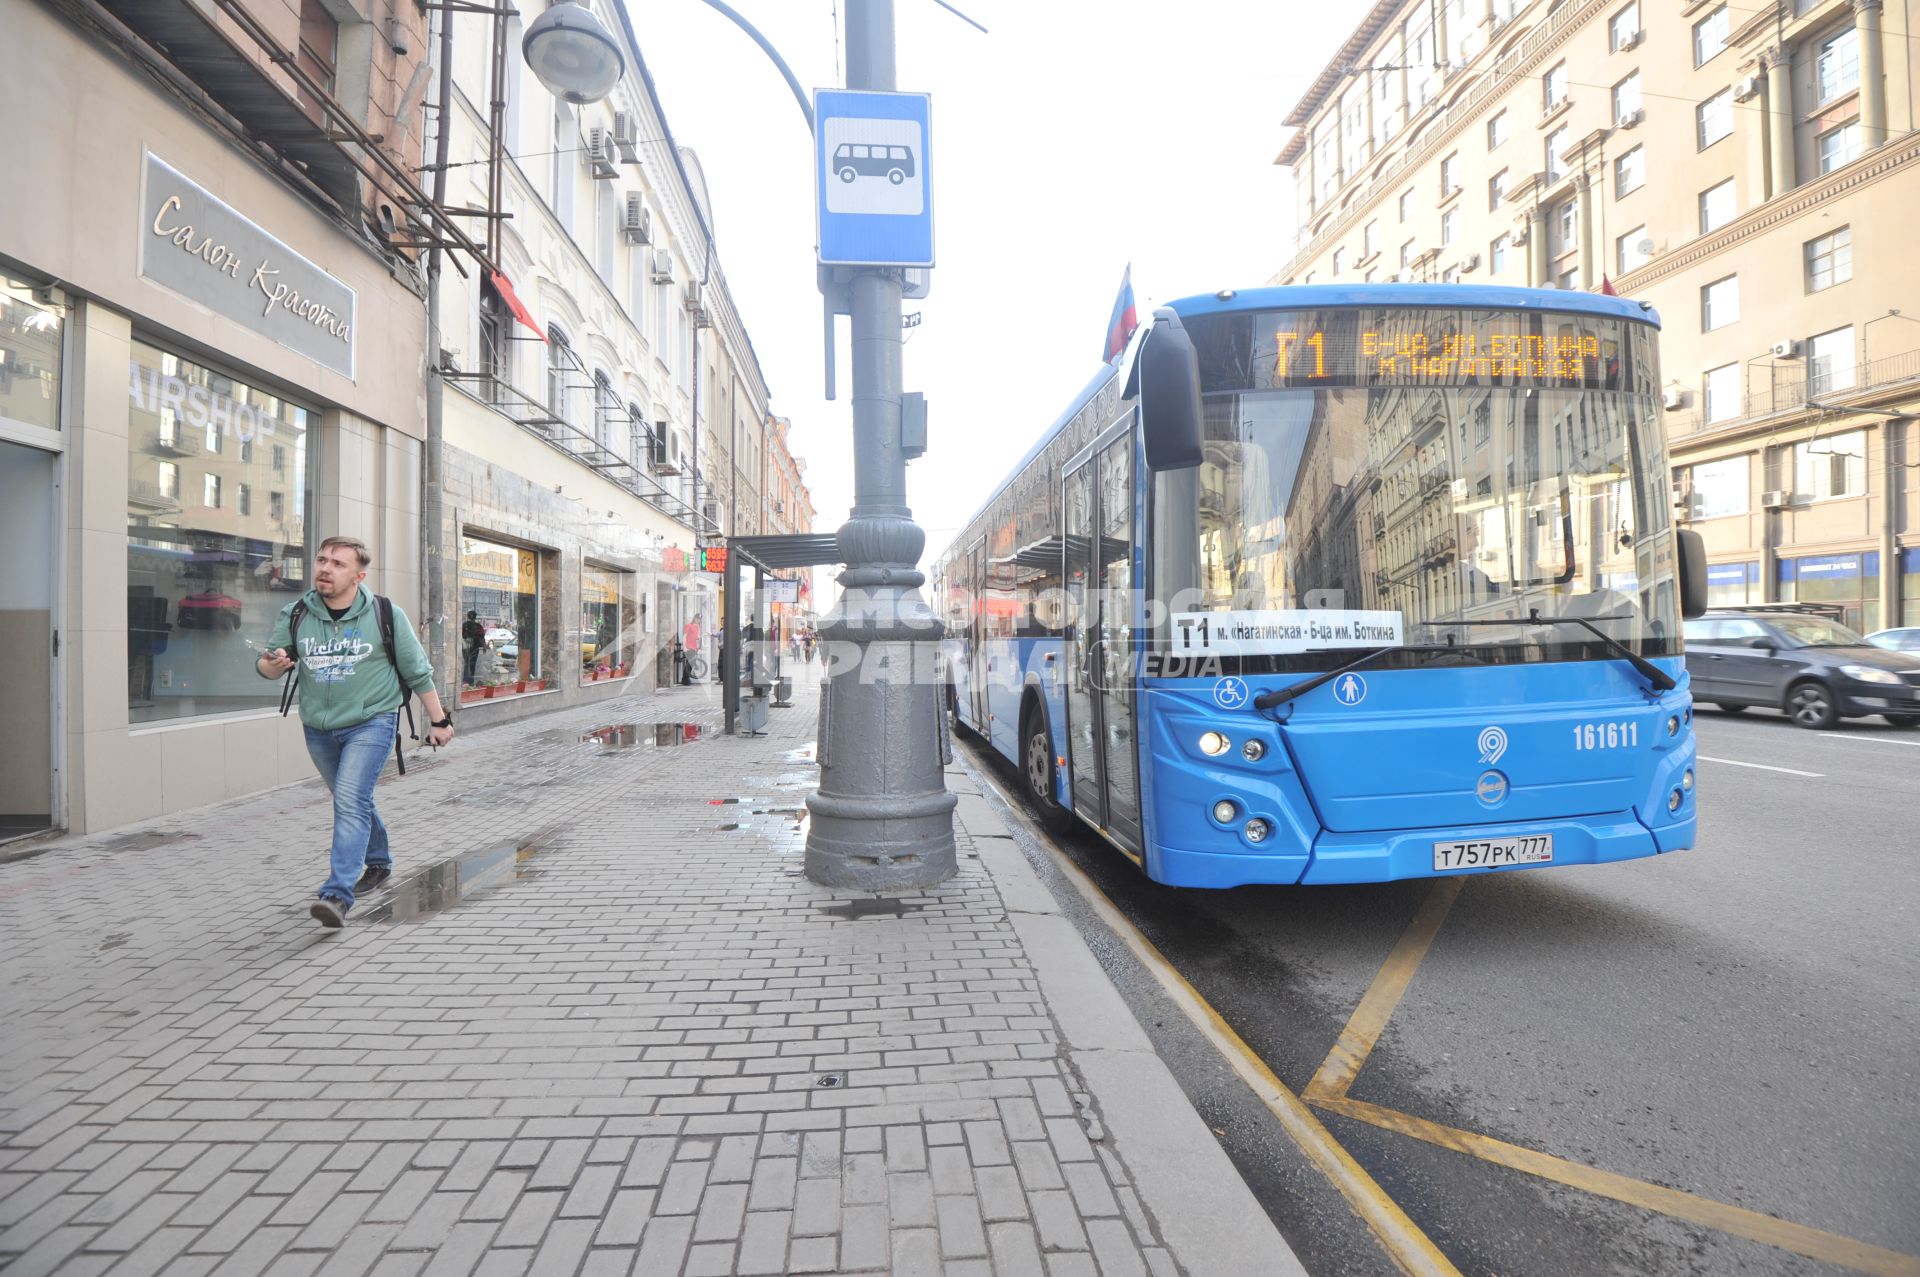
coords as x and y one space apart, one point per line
1906 639
496 635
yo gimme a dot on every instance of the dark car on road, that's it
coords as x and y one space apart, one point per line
1800 661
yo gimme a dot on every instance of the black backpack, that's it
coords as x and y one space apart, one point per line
384 606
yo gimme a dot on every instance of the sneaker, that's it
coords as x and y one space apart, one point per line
375 876
329 912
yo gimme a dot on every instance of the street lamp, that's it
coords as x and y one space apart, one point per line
572 54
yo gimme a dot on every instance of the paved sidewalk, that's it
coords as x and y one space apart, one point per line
613 1030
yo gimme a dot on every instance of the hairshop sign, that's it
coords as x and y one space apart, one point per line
201 248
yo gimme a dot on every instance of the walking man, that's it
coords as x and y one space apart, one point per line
350 697
474 635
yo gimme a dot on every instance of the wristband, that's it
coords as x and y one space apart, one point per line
445 722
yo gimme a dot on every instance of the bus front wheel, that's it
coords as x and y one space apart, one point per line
1036 763
896 176
847 174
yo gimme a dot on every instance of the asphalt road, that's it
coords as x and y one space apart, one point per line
1740 1022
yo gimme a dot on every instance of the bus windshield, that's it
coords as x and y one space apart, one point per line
1401 477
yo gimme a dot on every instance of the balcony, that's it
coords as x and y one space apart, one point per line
148 495
1791 388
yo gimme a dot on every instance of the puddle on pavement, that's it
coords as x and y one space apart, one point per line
458 879
871 907
621 736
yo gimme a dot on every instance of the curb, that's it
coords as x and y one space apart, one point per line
1206 1214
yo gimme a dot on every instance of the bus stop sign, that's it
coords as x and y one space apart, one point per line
875 206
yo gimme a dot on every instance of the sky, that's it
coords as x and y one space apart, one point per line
1075 138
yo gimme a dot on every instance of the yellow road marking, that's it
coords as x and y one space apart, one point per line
1328 1090
1402 1239
1812 1242
1369 1019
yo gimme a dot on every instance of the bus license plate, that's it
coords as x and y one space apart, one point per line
1535 849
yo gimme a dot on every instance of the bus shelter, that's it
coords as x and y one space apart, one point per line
759 655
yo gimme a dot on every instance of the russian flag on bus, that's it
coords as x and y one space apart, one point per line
1124 320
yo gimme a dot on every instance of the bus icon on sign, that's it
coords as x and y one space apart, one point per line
854 159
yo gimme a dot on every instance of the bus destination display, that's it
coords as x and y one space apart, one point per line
1412 347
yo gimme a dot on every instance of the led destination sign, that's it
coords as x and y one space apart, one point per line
1410 346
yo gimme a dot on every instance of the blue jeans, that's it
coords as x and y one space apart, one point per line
350 759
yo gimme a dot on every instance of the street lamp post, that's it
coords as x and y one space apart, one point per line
882 817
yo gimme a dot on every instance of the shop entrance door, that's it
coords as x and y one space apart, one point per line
29 481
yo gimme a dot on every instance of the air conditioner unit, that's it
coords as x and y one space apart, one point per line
1630 119
1673 398
662 266
601 157
710 511
691 294
1749 88
626 136
1631 40
1470 262
637 226
1775 499
1788 349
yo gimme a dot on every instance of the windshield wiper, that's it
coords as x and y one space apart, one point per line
1280 696
1661 680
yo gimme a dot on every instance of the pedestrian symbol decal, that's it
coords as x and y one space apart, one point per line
1230 693
1350 689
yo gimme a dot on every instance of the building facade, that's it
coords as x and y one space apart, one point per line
211 344
1741 168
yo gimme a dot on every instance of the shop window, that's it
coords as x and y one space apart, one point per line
1910 587
207 576
1852 581
30 328
500 642
607 623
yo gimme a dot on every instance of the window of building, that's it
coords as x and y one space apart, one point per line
1354 149
559 375
1417 37
1839 146
276 507
1722 395
1339 261
606 232
1496 190
1451 275
1372 275
1449 225
1829 259
500 585
1717 206
1564 221
1623 28
1626 97
1713 119
1497 254
1308 279
1710 36
1556 144
1716 488
607 416
30 351
319 47
1837 65
279 460
1386 103
496 336
1370 239
1406 256
1326 160
1830 364
1830 466
1632 250
1719 303
1553 87
1497 130
1629 172
607 623
204 581
1569 278
1406 205
1450 175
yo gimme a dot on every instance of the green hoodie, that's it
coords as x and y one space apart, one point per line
345 676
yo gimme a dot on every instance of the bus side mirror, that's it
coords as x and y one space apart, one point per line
1170 395
1693 572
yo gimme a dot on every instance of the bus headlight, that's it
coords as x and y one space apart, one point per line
1253 751
1257 830
1214 744
1686 780
1224 811
1673 724
1674 800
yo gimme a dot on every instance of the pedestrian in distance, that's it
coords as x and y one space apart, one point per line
357 661
474 635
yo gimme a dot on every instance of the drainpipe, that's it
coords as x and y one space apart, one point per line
433 501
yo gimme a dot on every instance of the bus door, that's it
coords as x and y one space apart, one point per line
1100 700
977 636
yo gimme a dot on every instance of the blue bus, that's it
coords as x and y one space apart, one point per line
1344 584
